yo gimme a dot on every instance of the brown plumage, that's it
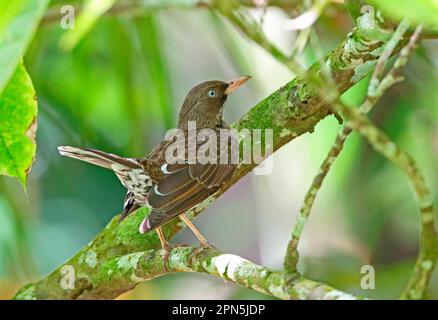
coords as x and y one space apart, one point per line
171 189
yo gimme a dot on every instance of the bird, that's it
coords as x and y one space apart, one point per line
171 189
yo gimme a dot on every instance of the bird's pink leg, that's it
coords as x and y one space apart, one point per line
198 234
167 247
204 243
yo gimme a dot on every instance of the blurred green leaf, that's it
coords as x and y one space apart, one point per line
419 11
91 12
18 110
8 236
18 22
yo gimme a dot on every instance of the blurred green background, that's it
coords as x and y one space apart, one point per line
120 89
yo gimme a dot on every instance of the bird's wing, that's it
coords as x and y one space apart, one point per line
173 196
182 187
214 175
211 175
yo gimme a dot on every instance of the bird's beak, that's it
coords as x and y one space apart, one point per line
236 83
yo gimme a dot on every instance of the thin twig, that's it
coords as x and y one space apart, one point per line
428 244
138 7
292 255
291 111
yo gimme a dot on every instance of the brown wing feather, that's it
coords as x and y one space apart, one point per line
180 191
158 218
183 186
174 182
211 175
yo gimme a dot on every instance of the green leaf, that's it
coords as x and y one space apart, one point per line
418 11
18 110
91 12
18 22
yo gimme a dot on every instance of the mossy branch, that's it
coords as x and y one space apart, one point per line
291 111
428 251
428 244
371 31
376 90
123 273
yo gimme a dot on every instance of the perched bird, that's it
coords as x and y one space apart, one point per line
171 189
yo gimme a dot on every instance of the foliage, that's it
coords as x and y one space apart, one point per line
18 22
93 9
18 110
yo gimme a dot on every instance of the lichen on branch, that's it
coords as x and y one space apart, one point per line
119 257
123 273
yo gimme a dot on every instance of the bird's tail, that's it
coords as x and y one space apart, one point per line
129 171
98 158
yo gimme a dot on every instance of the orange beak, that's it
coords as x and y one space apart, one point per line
236 83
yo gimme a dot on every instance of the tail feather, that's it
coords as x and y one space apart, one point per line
96 157
129 171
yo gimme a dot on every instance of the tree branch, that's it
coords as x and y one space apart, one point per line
428 251
376 90
291 111
139 7
370 31
134 8
428 246
124 273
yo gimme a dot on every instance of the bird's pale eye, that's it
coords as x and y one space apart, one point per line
212 93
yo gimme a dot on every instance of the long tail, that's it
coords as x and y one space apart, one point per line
129 171
98 158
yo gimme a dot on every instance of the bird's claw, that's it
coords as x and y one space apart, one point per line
207 245
169 247
199 249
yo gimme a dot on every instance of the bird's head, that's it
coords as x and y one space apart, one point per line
204 103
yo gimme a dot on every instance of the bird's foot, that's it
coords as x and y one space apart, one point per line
167 249
207 245
199 249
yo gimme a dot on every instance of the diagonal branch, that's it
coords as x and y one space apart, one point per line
139 7
371 31
291 111
428 246
375 91
428 251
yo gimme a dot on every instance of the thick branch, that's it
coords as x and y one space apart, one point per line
291 111
124 273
